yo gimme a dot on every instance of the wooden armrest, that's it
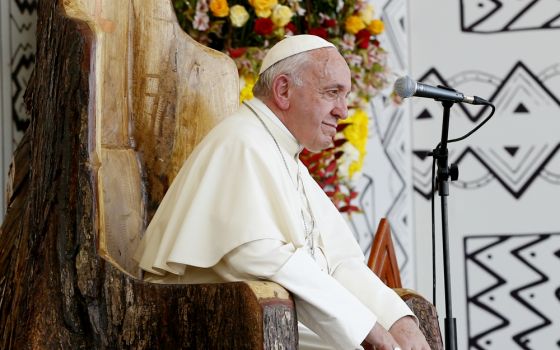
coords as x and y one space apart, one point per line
426 314
240 315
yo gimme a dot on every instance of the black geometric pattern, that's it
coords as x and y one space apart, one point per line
394 16
29 6
22 57
523 103
513 291
493 16
385 185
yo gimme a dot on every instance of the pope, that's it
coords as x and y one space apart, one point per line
244 207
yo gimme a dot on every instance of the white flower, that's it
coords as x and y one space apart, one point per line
201 21
348 42
353 59
238 16
201 6
366 13
296 7
339 5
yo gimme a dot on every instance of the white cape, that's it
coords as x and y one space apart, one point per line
235 189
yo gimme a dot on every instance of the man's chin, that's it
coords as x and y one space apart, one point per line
320 148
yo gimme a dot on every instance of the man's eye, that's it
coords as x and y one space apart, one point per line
332 94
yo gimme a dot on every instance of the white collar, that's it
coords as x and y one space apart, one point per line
279 131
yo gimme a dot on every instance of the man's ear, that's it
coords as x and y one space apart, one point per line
281 91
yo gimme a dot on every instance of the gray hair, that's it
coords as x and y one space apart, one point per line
292 66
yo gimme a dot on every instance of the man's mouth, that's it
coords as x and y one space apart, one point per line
329 124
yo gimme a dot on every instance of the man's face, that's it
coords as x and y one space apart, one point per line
318 104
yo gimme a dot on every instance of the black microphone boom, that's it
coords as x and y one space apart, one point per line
406 87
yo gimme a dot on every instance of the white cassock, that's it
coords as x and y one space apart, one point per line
244 207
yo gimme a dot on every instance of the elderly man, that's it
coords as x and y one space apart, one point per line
244 207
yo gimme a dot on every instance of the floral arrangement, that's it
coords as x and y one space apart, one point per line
245 29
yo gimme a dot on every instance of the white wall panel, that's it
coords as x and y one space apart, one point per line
18 22
503 211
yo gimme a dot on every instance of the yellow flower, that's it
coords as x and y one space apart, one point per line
238 16
376 27
263 8
357 134
281 15
247 83
219 8
354 24
366 13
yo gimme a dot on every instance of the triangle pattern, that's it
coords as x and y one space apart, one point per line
425 114
513 166
512 150
422 154
521 108
554 23
476 12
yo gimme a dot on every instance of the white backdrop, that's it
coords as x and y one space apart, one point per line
503 213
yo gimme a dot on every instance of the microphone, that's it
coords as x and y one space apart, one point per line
406 87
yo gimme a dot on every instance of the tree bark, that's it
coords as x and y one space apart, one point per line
55 290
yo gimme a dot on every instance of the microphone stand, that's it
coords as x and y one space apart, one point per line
444 174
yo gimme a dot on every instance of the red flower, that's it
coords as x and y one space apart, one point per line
329 23
291 27
362 38
322 32
263 26
237 52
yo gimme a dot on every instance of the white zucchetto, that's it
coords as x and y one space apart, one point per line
290 46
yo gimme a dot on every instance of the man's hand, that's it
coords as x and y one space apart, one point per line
380 339
408 335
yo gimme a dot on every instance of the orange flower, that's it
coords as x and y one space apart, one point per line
376 27
219 8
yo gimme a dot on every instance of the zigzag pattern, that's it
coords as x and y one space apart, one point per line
515 161
21 69
477 299
23 27
492 16
513 293
516 187
22 48
521 337
23 6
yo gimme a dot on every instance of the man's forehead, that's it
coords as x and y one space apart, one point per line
329 68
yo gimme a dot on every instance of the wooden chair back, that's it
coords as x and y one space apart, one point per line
154 94
382 259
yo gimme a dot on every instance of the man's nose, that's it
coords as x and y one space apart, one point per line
341 109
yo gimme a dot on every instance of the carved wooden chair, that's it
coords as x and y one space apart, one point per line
154 94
